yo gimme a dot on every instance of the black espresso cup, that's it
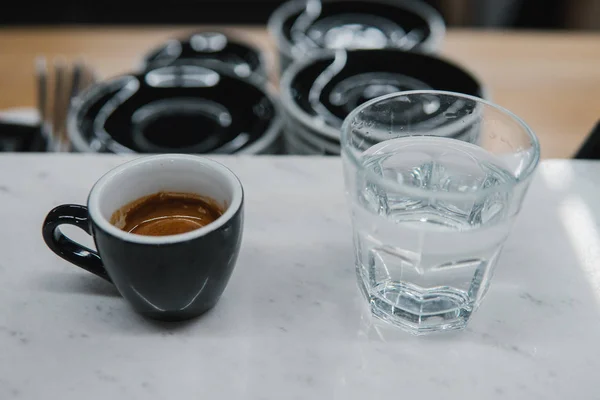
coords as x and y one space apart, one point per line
172 277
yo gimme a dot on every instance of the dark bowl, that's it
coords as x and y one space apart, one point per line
319 93
212 49
176 108
302 27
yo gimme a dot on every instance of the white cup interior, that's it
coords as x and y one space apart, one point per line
169 172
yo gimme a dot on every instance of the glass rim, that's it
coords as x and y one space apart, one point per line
394 185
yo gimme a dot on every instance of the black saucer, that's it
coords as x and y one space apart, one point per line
308 27
212 49
177 108
318 94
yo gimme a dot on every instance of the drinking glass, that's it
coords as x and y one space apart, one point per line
434 181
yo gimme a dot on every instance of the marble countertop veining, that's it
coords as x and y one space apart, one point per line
291 324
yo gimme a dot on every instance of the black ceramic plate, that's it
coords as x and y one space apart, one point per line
184 109
308 26
209 49
321 92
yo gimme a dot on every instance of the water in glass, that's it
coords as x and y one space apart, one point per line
426 248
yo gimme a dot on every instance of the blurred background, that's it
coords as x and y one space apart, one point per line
64 62
517 14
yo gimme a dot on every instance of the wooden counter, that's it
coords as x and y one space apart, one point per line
551 80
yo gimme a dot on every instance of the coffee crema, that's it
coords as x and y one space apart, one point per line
166 213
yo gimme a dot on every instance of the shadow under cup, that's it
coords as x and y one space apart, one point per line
171 277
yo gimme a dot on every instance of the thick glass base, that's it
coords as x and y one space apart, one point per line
416 310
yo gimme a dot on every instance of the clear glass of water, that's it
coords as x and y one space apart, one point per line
434 180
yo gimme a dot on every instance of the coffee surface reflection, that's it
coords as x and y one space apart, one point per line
167 213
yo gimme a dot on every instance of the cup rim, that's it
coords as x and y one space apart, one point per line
394 185
96 192
435 22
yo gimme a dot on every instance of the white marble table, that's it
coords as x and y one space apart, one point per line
291 324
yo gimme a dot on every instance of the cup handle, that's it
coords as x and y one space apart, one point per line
72 214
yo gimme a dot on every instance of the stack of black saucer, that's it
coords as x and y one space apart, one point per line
206 93
319 93
304 28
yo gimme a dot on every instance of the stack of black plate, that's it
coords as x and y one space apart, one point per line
204 94
311 27
210 49
319 93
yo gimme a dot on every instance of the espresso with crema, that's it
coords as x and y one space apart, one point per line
167 213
